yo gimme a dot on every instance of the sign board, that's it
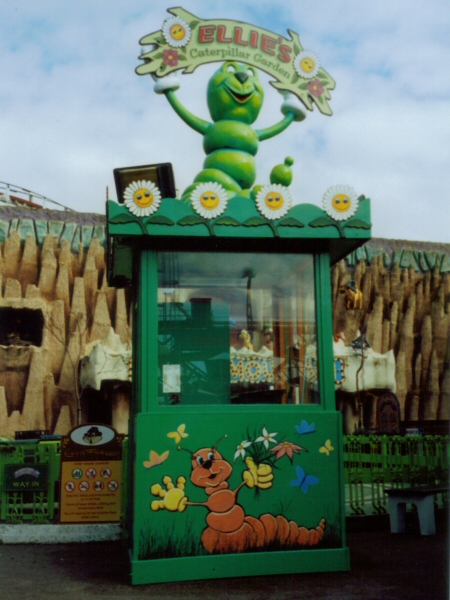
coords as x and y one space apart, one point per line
91 475
26 478
185 42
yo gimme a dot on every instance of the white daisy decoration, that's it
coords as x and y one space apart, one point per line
307 64
273 201
340 202
176 32
142 198
209 200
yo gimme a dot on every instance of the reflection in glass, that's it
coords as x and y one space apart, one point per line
241 327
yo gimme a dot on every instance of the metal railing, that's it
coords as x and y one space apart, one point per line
16 195
372 463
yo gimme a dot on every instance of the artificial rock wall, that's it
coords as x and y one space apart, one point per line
52 264
406 307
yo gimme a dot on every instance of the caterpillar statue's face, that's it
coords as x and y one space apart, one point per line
209 469
235 93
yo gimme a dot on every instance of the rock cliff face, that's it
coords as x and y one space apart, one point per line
55 303
406 308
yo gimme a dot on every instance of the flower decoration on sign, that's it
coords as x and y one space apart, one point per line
307 64
209 200
142 198
176 32
170 57
315 88
273 201
267 437
340 202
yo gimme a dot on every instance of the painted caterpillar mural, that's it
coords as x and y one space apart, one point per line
229 529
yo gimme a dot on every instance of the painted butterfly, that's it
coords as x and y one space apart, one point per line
156 459
305 428
303 481
326 448
178 434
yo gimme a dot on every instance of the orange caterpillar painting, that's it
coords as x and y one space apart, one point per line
228 528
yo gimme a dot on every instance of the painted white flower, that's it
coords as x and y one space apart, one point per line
273 201
176 32
209 200
307 64
266 437
142 198
240 449
340 202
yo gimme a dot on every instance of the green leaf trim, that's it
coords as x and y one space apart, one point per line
255 222
322 222
192 220
193 24
158 55
159 220
123 219
291 222
357 224
227 221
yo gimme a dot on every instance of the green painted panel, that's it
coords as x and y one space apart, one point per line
69 232
86 235
231 472
4 230
41 231
55 228
26 228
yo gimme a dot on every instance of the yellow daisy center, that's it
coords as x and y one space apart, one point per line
177 32
209 200
341 203
143 198
307 65
274 200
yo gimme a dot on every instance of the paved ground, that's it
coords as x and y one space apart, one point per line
384 567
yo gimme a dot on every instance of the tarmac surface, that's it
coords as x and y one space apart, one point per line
384 566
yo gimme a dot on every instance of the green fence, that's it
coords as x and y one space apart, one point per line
372 463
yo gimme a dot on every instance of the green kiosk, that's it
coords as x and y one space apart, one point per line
235 449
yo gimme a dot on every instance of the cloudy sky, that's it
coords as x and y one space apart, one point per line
73 109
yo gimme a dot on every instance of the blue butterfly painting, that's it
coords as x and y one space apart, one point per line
305 428
303 481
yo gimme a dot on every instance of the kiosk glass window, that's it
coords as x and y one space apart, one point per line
236 328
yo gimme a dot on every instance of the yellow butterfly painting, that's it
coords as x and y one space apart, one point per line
326 448
156 459
179 434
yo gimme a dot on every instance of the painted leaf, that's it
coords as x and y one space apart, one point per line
321 222
191 220
159 220
291 222
227 221
357 224
255 222
193 24
123 219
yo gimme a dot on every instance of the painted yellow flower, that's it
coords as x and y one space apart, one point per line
273 201
142 198
176 32
209 200
307 64
340 202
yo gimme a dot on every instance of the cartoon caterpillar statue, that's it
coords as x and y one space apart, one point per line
229 529
235 97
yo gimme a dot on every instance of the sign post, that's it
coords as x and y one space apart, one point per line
91 475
